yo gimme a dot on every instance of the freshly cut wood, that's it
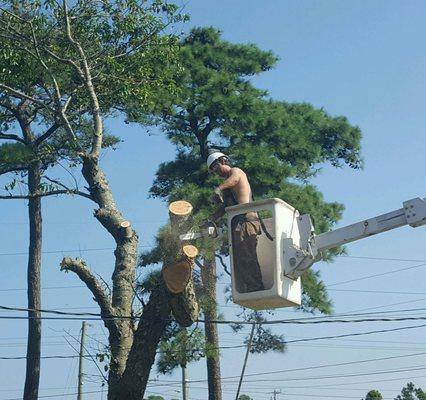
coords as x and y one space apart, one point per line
185 306
125 225
178 262
180 208
177 275
190 251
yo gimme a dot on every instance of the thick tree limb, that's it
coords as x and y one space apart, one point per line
78 266
152 323
47 134
13 168
11 136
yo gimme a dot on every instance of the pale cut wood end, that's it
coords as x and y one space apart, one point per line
180 208
190 251
177 275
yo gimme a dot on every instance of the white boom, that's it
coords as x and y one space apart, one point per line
300 258
297 257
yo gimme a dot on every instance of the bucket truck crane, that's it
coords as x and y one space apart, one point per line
288 246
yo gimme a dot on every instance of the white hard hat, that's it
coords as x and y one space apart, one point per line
213 157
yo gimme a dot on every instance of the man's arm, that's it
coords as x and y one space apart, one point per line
218 214
232 180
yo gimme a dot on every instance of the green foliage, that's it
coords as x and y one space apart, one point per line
374 395
410 392
121 40
182 348
314 294
130 56
279 145
15 155
154 397
244 397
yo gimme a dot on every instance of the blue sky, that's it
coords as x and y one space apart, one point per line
362 59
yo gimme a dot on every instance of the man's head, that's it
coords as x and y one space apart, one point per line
218 163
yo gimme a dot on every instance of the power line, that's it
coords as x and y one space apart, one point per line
327 365
41 357
392 371
377 275
374 291
58 395
24 253
300 321
382 258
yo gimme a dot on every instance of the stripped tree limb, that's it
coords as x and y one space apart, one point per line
178 263
47 134
79 267
20 95
96 112
11 136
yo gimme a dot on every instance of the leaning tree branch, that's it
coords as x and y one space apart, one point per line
98 125
12 136
21 95
47 134
13 168
219 257
79 267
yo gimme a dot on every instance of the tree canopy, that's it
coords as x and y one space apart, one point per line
374 395
279 145
410 392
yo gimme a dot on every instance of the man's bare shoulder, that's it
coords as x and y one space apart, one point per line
237 171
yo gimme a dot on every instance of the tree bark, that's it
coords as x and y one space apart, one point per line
32 376
208 277
155 317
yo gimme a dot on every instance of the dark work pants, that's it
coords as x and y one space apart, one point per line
246 266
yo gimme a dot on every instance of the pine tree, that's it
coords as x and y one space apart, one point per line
279 145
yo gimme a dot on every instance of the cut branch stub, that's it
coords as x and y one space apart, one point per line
180 208
177 269
190 251
127 229
179 212
177 274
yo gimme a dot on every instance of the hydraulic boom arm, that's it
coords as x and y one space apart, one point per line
301 258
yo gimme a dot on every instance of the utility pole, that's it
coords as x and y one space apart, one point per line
80 364
184 382
245 360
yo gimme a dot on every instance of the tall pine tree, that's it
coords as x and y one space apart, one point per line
279 145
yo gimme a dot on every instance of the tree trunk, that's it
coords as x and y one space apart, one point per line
32 376
154 319
208 277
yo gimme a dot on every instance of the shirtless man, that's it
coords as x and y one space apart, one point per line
235 189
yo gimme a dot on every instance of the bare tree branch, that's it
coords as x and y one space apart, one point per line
11 136
98 124
20 95
79 267
223 264
47 134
